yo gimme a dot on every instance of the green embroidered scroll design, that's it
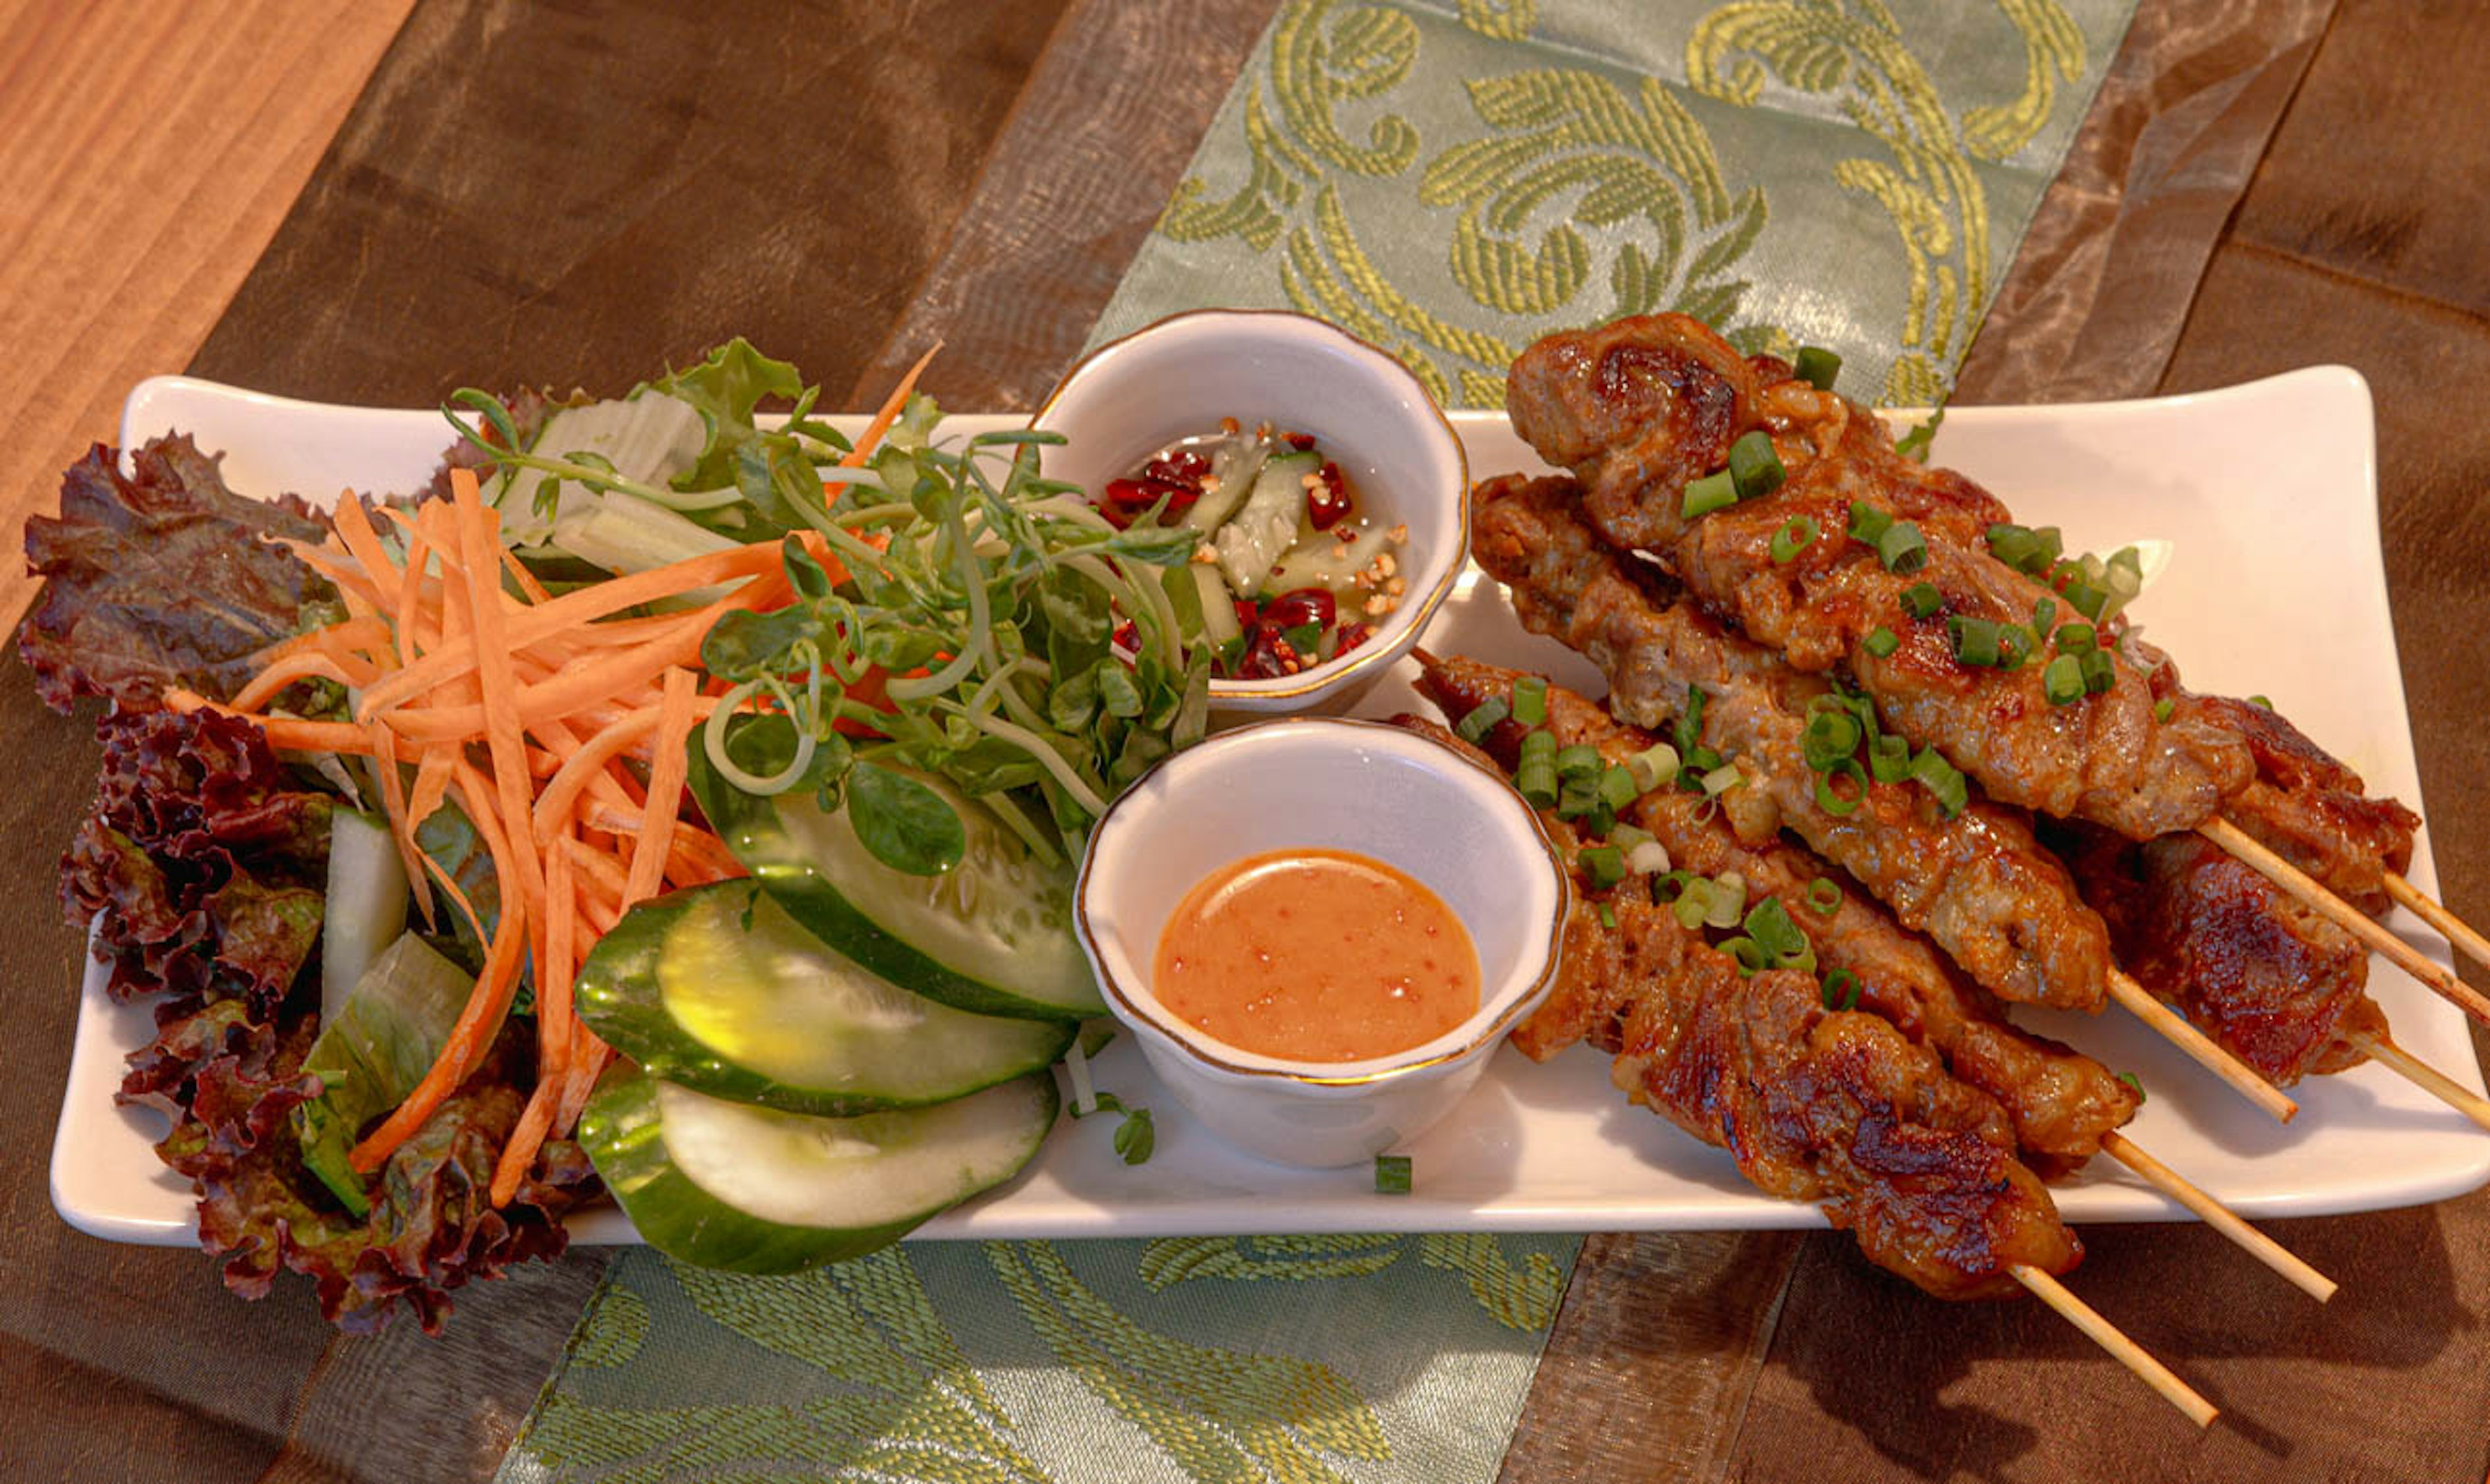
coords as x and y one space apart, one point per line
1519 1296
1563 133
904 1404
616 1327
1504 20
1218 1413
1323 55
1928 187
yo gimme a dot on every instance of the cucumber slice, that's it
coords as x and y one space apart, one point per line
1250 543
365 908
1235 466
769 1015
992 936
755 1191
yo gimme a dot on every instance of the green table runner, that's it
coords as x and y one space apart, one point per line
1448 181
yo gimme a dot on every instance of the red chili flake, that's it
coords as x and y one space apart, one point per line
1329 501
1127 637
1265 654
1304 606
1301 441
1351 634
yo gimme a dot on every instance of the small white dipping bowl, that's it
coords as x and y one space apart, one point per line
1322 783
1177 377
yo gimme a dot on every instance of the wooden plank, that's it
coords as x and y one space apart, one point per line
146 154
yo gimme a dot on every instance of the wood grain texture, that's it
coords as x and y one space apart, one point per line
146 154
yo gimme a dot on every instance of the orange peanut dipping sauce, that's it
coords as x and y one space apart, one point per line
1317 955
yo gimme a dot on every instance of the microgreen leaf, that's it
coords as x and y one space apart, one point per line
904 824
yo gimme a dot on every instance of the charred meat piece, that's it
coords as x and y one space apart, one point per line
1641 407
2278 986
2061 1101
1999 905
1833 1107
2304 804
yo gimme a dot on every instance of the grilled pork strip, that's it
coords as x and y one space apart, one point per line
1979 884
1835 1107
2278 986
2060 1100
1641 407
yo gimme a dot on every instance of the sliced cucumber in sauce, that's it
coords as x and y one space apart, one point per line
768 1014
992 936
724 1185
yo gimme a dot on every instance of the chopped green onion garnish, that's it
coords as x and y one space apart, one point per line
1921 599
1824 896
2043 614
2085 598
1889 759
1796 535
1483 718
2161 709
1829 737
1690 720
1728 901
1530 701
2025 547
2135 1082
2078 639
1604 865
1974 641
2260 701
1915 445
1750 954
1769 923
2062 680
1901 548
1392 1174
1670 886
1713 492
1817 366
1723 778
1653 765
1840 989
1607 916
1694 903
1535 775
2100 675
1943 779
1580 760
1617 787
1867 522
2014 646
1753 466
1626 837
1882 641
1832 802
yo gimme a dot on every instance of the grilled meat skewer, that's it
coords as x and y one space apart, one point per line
2061 1102
1835 1107
1979 884
1641 407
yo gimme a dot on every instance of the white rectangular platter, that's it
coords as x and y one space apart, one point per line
2266 493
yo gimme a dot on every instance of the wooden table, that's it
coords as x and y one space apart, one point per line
480 214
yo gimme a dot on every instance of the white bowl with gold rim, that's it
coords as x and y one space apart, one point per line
1322 783
1177 377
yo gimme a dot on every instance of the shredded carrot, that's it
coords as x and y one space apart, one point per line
355 633
596 868
891 406
288 734
666 776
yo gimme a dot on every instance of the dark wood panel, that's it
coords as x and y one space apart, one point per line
579 195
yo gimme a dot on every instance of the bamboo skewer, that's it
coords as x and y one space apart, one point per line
2136 1358
2422 1075
2205 1052
2456 930
2291 878
2220 1217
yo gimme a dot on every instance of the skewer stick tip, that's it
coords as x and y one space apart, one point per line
2456 930
2220 1217
2046 1287
2422 1075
